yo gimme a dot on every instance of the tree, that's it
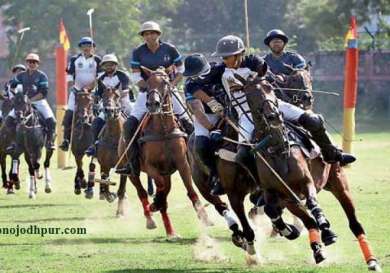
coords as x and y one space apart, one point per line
116 24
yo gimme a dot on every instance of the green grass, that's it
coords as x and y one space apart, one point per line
124 245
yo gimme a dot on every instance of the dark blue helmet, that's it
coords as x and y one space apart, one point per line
196 65
18 67
86 41
275 33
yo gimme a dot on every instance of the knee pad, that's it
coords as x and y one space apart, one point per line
312 122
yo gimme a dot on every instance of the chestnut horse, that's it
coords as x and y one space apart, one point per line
107 156
164 148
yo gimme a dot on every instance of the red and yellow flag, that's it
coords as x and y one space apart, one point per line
351 36
64 39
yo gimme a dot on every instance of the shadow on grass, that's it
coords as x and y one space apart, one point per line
206 270
31 221
35 206
85 241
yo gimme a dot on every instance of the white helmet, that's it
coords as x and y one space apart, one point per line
109 58
149 26
32 57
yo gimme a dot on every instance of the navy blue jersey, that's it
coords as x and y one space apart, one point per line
211 84
118 80
33 83
165 56
276 64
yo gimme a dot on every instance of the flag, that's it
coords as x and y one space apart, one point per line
64 39
351 36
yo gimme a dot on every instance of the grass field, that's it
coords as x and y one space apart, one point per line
124 245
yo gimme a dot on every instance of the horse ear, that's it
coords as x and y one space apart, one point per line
289 68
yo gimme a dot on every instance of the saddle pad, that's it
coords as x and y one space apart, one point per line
226 155
297 136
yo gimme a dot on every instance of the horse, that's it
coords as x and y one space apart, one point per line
107 155
296 87
30 139
82 136
163 148
6 137
305 176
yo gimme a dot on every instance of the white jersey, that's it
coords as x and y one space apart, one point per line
237 98
83 71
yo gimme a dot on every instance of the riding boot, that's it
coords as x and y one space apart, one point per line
133 167
205 150
10 124
51 133
315 125
97 126
187 125
67 123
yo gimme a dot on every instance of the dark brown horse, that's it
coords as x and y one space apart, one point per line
164 148
107 156
303 175
296 88
82 136
7 136
30 139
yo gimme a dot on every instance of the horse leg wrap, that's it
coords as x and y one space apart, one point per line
15 166
316 211
91 175
366 248
145 205
229 217
167 223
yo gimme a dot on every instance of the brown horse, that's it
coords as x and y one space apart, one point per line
107 156
164 148
303 175
296 88
82 136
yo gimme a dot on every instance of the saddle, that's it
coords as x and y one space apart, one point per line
297 136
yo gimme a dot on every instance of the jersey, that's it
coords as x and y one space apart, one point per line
165 56
276 64
118 80
83 71
211 84
33 83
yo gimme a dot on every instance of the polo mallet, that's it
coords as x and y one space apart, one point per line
19 42
89 13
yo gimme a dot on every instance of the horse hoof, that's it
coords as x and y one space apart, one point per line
373 265
17 185
48 189
120 214
10 191
77 191
173 237
110 197
328 237
251 259
31 195
150 224
294 232
250 248
318 256
101 196
238 240
88 193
